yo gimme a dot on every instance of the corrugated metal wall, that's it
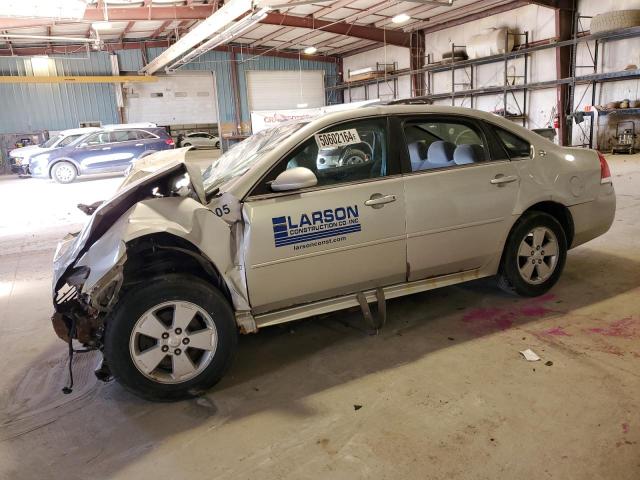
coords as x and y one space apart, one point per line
220 64
31 107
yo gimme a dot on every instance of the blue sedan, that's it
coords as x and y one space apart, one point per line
106 151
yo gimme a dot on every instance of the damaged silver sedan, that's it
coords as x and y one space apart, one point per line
165 274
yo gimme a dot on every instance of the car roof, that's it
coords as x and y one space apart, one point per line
198 133
78 131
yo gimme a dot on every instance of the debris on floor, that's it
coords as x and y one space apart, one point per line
529 355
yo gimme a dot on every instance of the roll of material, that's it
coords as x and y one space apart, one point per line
491 42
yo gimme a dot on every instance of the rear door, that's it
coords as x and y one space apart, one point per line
460 195
95 152
125 147
344 235
150 141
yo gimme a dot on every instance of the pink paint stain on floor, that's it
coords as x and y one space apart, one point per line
486 320
556 332
624 328
625 428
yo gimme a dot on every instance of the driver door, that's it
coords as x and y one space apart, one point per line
344 235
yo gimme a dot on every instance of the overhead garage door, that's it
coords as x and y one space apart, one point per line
283 90
173 99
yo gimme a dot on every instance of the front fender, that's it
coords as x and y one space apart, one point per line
182 217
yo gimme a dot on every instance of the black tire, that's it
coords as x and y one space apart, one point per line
187 144
217 145
136 302
64 172
509 278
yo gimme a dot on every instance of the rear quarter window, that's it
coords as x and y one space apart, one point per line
513 144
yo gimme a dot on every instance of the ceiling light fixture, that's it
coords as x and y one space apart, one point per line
310 50
401 18
221 38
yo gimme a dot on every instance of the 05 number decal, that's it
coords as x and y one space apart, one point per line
223 210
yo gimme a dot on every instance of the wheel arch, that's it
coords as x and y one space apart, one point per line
161 253
558 211
63 159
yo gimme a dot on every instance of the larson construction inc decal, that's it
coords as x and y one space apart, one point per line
316 227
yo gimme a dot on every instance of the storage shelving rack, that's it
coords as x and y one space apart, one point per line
524 86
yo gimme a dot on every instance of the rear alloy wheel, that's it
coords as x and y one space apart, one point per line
64 172
187 144
170 339
534 255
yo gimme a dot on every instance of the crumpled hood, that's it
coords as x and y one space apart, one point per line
157 169
27 152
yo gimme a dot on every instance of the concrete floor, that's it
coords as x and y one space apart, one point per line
442 392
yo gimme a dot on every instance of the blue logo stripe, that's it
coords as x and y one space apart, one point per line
318 235
279 220
281 235
279 228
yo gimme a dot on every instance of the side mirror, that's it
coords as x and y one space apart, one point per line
294 179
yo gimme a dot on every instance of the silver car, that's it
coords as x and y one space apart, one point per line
165 275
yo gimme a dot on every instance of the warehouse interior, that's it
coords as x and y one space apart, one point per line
442 390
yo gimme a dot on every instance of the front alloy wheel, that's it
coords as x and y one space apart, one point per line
64 172
170 338
173 342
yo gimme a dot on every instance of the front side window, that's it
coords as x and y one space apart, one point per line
514 145
52 141
97 139
348 152
438 144
68 140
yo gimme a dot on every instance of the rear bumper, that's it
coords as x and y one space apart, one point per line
592 219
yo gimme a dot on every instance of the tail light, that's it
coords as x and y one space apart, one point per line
169 141
605 173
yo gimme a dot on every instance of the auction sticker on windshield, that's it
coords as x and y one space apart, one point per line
337 139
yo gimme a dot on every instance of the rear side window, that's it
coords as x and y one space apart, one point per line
123 135
142 135
514 145
438 144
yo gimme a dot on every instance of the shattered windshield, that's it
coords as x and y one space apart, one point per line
241 157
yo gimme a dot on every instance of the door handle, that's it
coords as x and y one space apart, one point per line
139 144
378 200
501 179
106 148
